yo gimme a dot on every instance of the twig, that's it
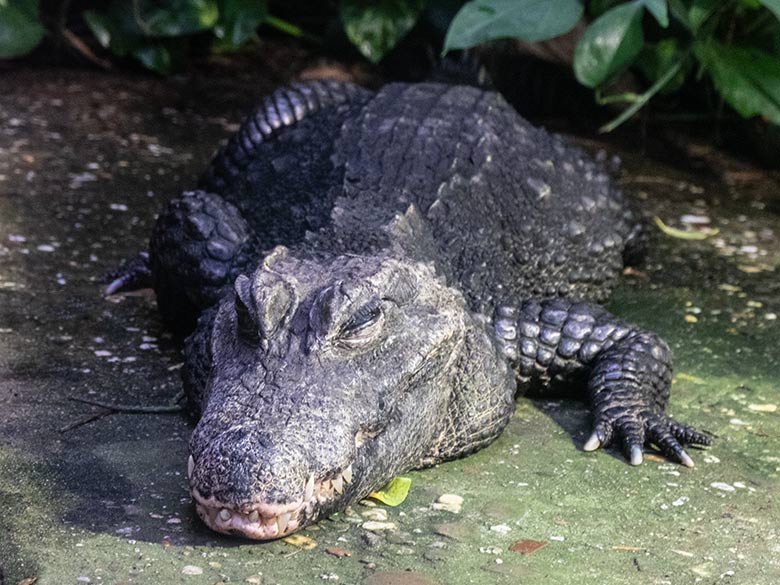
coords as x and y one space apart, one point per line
85 420
173 407
80 46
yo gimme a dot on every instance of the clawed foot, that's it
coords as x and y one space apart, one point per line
134 274
638 427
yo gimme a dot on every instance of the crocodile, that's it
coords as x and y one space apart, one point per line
368 280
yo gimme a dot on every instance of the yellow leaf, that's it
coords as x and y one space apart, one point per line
690 378
684 234
301 541
394 493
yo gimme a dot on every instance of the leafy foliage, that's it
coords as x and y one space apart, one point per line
375 27
736 43
533 20
20 31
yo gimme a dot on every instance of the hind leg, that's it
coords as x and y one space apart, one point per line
199 245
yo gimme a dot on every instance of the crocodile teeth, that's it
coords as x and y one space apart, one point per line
282 520
347 474
338 484
309 491
190 467
326 488
224 514
254 516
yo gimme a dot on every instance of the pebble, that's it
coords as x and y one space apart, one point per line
375 526
191 570
378 514
501 528
719 485
448 502
763 407
45 248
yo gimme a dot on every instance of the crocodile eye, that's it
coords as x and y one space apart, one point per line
362 327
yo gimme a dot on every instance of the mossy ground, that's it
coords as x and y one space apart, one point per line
86 161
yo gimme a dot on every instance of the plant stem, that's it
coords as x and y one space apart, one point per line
645 97
289 28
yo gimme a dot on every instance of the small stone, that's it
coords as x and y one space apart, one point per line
719 485
256 580
378 514
375 526
448 502
191 570
501 528
763 407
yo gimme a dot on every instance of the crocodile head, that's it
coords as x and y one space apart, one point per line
324 380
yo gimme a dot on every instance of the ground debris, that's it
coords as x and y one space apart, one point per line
526 547
338 552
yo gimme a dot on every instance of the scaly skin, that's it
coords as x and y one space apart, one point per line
375 277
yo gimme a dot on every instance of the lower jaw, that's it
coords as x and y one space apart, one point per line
259 522
249 525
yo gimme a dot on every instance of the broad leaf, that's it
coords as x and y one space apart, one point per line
773 5
394 493
238 21
748 79
700 11
20 30
656 59
173 18
376 27
659 11
532 20
609 44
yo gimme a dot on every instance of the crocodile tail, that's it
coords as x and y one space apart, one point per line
282 109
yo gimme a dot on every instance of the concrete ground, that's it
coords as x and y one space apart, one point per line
87 159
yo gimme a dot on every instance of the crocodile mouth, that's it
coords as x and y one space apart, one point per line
267 521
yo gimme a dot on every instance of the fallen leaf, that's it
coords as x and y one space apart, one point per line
690 378
338 552
301 541
28 581
701 234
621 547
526 547
394 493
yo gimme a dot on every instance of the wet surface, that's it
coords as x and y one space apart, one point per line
87 159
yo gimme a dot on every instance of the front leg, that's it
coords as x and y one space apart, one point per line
627 371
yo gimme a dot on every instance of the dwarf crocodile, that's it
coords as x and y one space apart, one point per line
369 279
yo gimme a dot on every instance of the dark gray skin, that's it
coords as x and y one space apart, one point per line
375 278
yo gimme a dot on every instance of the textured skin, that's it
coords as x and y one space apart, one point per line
375 277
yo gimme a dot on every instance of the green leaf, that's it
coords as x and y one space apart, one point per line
238 21
748 79
533 20
659 11
20 30
394 493
609 44
376 27
700 11
656 59
173 18
772 5
155 57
